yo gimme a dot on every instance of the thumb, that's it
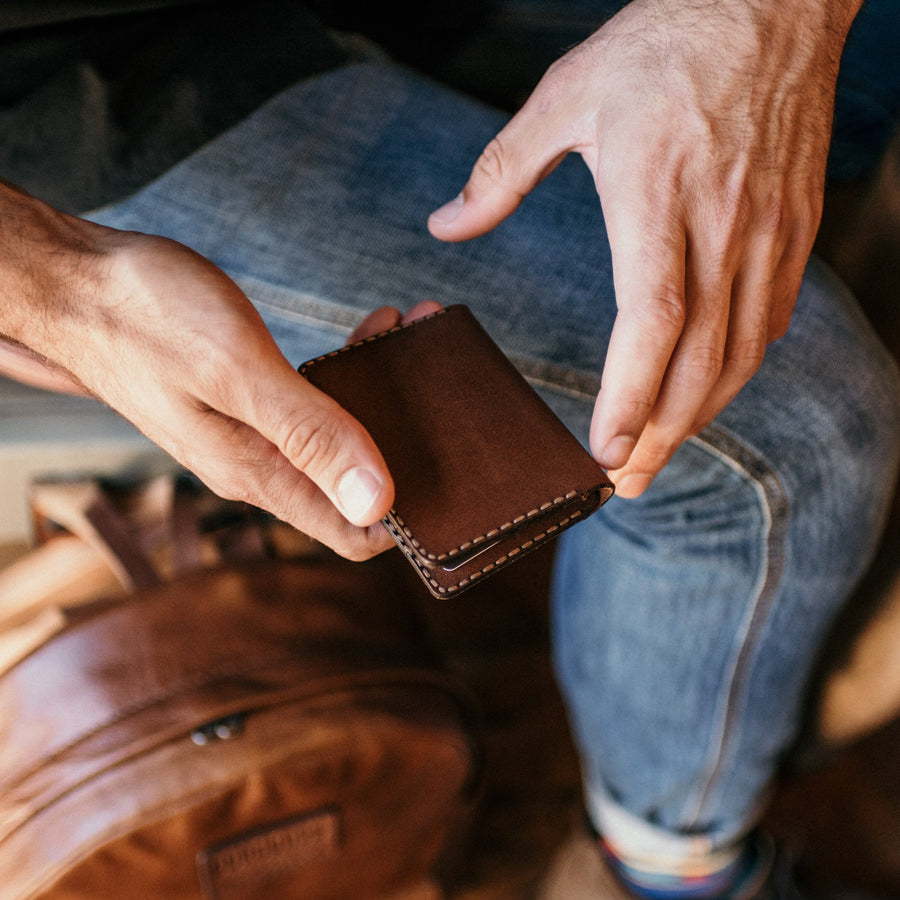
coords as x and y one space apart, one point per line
325 443
511 165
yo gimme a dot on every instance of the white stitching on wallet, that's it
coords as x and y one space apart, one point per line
407 533
369 339
440 557
441 589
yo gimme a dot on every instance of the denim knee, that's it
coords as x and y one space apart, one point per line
686 623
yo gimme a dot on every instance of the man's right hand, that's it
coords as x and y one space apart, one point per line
705 124
169 341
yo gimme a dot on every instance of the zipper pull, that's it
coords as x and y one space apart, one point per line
219 730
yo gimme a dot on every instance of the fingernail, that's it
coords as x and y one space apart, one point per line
449 212
617 452
357 492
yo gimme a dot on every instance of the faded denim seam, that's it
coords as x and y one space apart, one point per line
774 507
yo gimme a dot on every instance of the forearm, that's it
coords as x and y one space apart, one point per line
48 264
835 15
820 25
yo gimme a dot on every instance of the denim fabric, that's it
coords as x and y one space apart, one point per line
687 620
739 557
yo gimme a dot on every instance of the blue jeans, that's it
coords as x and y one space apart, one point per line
686 621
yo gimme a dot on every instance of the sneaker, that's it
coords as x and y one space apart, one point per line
580 872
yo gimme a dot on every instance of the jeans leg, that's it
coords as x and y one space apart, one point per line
685 670
686 620
317 206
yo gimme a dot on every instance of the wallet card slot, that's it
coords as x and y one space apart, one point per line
440 585
464 558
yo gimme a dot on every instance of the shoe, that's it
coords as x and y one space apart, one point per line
580 872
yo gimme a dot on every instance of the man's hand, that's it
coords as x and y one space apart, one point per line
706 126
168 340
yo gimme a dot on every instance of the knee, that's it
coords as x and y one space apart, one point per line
852 397
820 426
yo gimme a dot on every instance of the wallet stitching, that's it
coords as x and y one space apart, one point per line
368 340
408 535
466 545
500 561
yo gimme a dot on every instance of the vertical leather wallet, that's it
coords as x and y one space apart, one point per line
483 469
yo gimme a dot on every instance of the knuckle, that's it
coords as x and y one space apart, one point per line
492 164
210 373
744 357
313 440
634 406
230 482
354 545
792 215
664 312
656 452
233 476
806 219
734 207
232 488
771 215
700 364
559 68
357 552
560 77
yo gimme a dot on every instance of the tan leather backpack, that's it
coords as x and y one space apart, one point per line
275 729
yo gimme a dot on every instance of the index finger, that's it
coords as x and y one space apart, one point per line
649 278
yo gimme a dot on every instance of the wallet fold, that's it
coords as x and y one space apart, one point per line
483 469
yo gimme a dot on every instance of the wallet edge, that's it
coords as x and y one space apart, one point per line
425 563
303 368
585 503
500 531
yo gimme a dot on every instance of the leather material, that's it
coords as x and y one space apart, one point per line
280 730
483 469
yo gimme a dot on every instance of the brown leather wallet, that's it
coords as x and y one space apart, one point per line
483 469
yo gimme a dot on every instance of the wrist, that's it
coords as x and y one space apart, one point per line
49 261
830 18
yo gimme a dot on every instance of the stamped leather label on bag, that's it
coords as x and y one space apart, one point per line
228 869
